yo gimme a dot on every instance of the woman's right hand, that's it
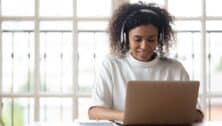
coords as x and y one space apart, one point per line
102 113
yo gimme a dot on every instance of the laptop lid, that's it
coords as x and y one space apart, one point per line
160 102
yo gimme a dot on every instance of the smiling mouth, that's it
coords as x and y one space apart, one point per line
142 53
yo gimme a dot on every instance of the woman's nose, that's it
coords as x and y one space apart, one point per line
143 45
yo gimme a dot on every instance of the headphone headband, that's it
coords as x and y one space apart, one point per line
148 11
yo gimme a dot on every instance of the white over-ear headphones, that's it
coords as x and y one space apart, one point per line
123 34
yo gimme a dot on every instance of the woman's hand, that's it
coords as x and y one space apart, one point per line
199 116
102 113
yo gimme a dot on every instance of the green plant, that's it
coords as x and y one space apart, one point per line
13 114
219 66
1 121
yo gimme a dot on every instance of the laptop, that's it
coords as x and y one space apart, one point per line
160 102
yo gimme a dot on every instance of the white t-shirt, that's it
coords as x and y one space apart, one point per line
114 73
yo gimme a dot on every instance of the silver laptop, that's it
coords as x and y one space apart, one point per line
160 102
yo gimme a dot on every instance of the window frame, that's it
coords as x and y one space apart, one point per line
75 95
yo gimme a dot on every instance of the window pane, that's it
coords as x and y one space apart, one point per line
214 110
214 25
94 8
18 25
18 112
92 48
84 104
59 109
56 8
17 7
56 57
187 50
187 25
92 25
159 2
215 61
213 7
18 57
185 8
86 61
56 26
101 46
188 36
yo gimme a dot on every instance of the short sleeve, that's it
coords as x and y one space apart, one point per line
102 89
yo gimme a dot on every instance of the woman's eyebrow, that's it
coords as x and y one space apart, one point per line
139 36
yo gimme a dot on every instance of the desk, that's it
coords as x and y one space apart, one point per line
76 123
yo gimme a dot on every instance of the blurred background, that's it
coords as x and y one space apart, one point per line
50 51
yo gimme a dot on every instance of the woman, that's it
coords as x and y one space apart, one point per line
139 34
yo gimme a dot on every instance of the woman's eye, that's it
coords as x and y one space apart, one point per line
151 40
138 40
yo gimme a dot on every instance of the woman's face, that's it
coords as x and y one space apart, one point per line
143 41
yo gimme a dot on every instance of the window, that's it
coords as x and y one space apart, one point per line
55 8
185 8
18 8
46 47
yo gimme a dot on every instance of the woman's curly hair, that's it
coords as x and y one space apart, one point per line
123 16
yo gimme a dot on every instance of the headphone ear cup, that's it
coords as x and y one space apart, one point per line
124 37
160 37
123 40
124 46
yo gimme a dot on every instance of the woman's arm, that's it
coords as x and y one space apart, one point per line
102 113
